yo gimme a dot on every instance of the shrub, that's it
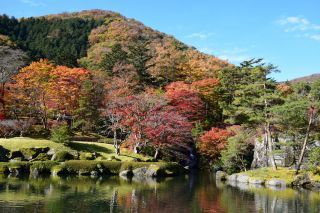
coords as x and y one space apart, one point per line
43 167
314 160
61 134
238 153
62 156
86 156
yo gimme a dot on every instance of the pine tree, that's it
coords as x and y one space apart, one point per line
253 99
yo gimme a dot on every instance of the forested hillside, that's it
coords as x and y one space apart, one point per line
97 39
97 72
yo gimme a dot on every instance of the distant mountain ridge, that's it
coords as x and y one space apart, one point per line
309 78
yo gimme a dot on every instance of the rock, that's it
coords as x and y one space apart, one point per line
126 173
232 178
315 185
276 182
242 178
87 156
14 160
84 172
3 154
220 175
51 152
34 172
94 174
154 171
29 153
260 159
242 186
140 172
256 181
301 180
16 170
57 170
62 156
42 157
15 154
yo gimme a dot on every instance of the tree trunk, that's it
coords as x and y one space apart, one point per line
115 143
115 139
156 154
303 150
118 149
136 148
269 140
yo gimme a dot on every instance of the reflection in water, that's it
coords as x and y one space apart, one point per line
193 193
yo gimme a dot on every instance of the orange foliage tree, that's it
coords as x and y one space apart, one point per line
212 142
42 88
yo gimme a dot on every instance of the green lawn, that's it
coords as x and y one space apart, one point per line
104 150
24 142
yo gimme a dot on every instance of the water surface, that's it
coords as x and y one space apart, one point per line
190 193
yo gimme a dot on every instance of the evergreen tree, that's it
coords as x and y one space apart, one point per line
115 56
139 56
253 99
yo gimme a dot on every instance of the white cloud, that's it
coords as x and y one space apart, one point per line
299 24
315 37
33 3
200 35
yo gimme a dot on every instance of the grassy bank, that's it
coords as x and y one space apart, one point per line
105 151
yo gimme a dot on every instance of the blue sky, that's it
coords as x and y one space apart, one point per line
283 32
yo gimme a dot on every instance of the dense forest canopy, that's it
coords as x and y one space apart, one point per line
61 40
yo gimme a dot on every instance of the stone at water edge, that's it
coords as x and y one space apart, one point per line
276 182
126 173
301 180
243 178
3 154
256 181
140 172
232 178
221 175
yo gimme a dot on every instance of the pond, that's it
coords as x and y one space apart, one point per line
190 193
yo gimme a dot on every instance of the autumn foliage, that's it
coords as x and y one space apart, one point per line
42 88
212 142
185 100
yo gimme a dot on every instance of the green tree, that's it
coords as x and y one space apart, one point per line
238 153
116 55
254 98
139 56
61 134
87 113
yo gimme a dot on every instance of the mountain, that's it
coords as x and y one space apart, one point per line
309 78
87 38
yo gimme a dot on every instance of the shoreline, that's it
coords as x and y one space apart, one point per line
92 168
303 180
